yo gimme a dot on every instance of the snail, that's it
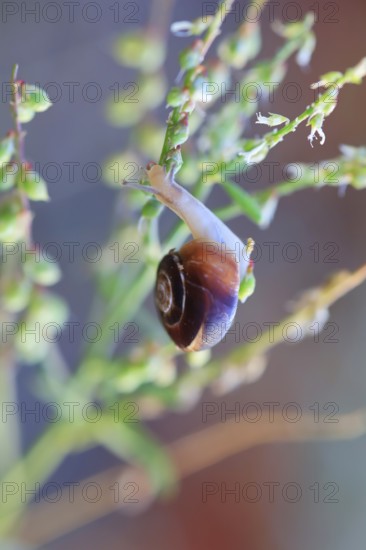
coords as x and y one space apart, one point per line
198 287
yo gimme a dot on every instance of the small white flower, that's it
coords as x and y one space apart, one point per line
272 120
316 123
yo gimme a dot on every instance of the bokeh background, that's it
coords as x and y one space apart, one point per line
304 373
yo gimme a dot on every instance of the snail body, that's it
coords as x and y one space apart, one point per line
197 287
202 223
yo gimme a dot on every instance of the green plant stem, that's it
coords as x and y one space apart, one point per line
19 135
123 308
38 463
9 426
125 305
238 360
19 138
214 29
326 98
10 429
315 300
212 32
43 523
50 449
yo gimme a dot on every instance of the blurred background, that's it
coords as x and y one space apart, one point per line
305 373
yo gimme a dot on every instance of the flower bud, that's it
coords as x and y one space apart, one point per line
173 160
191 28
151 91
177 97
294 30
254 151
14 221
41 271
123 113
218 74
303 56
150 139
354 153
40 326
15 295
272 120
239 48
32 184
179 133
8 176
357 73
192 56
25 114
198 359
316 124
269 203
144 51
247 285
358 180
7 149
34 98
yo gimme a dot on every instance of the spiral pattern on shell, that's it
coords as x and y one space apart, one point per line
196 294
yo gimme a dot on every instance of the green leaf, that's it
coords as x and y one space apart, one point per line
25 115
41 271
191 56
132 442
272 120
14 222
16 294
151 208
305 53
254 150
177 97
34 98
149 139
8 176
140 50
7 149
241 47
247 287
247 203
40 327
124 114
33 185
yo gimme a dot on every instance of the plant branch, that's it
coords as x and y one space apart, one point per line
14 105
45 522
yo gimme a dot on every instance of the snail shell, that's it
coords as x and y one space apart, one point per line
196 294
197 287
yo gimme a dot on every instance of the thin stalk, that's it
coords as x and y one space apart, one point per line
212 32
14 104
34 468
10 428
10 433
19 137
44 523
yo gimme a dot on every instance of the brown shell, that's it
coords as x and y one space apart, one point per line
196 293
